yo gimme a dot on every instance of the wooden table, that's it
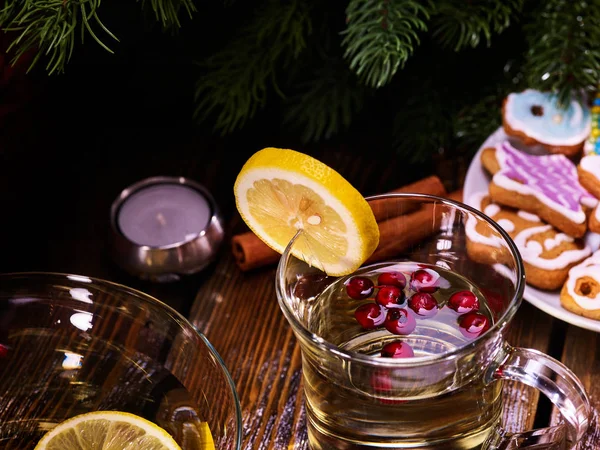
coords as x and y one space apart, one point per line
56 219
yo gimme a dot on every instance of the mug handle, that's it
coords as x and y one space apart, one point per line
555 381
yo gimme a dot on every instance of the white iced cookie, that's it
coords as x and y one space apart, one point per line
547 253
581 292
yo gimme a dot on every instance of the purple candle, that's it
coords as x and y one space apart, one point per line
163 215
164 228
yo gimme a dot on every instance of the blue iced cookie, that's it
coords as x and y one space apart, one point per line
536 118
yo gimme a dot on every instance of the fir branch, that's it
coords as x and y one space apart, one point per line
458 26
51 27
423 124
237 78
381 35
167 13
326 102
564 47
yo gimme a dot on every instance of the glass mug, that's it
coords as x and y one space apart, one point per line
448 395
71 344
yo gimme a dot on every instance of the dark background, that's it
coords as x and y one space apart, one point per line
70 143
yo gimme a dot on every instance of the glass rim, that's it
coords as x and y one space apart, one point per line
496 328
147 298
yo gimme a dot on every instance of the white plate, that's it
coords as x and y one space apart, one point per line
477 180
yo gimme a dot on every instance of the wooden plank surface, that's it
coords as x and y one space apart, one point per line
240 315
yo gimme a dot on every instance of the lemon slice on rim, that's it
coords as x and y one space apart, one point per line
107 430
279 192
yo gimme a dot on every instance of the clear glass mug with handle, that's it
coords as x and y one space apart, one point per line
71 344
447 393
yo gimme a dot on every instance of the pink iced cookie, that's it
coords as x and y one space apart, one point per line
544 185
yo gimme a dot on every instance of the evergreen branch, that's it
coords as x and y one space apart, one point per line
564 47
236 80
326 102
458 26
381 35
423 125
49 26
167 13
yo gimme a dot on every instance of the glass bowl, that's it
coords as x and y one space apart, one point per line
71 344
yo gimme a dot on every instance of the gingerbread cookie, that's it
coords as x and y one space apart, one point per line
536 118
547 253
594 222
588 171
581 293
589 177
545 185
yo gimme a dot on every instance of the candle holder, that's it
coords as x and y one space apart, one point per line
164 228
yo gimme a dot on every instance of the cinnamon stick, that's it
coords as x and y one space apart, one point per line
400 233
251 253
386 209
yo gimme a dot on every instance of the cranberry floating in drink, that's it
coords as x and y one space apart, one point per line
424 280
423 304
400 321
390 297
397 349
463 302
392 279
359 288
473 324
370 315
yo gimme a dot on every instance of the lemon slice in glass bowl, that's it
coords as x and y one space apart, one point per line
112 430
279 192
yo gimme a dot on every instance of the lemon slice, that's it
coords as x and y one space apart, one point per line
107 430
279 192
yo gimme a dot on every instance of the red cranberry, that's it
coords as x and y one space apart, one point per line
400 321
392 279
370 315
473 324
381 383
423 280
390 296
423 304
397 349
494 300
463 302
359 288
3 351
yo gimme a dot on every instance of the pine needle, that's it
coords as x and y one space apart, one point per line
381 35
237 79
564 47
326 102
457 25
167 12
51 27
